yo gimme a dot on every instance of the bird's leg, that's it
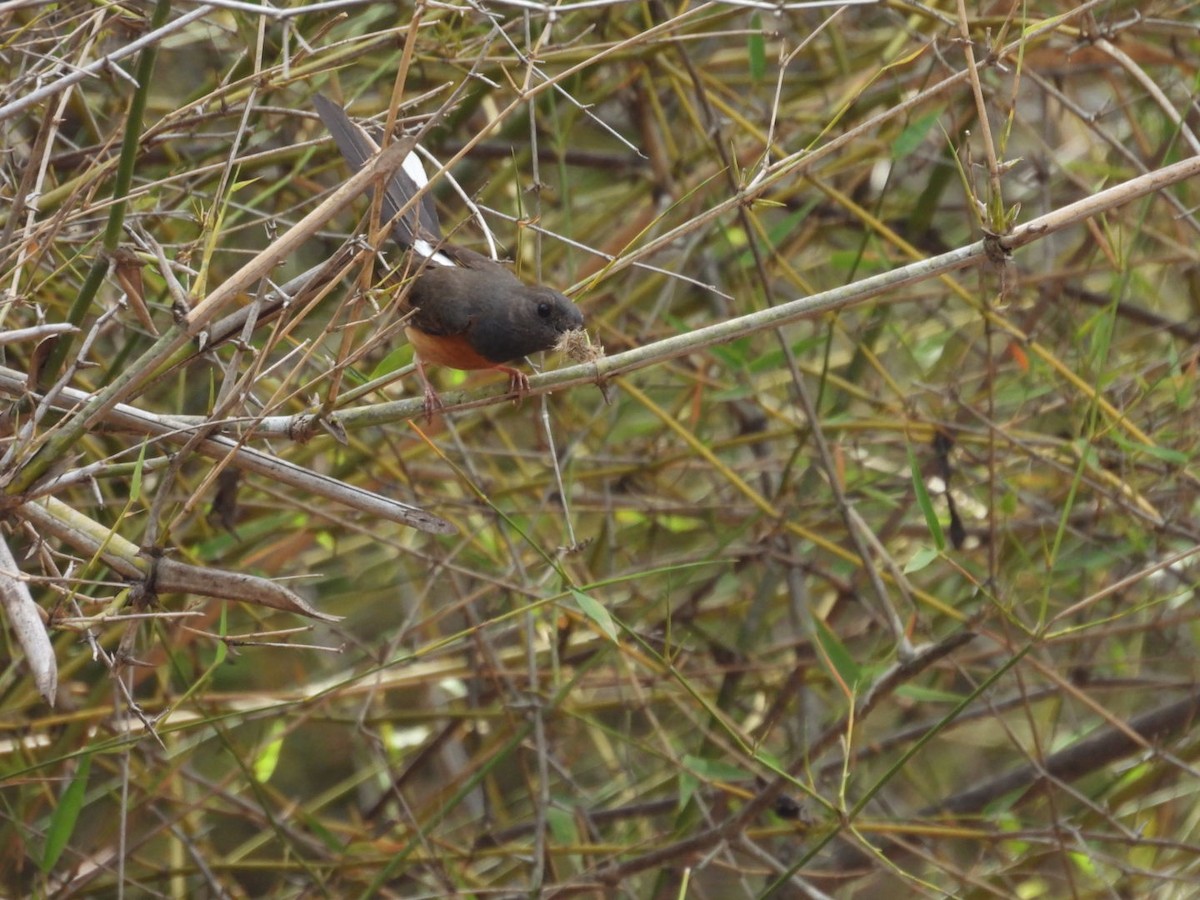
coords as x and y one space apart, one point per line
518 382
433 403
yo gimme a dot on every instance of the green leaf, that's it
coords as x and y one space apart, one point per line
839 657
734 354
66 814
223 629
399 357
1166 454
756 46
930 695
926 504
314 824
135 484
923 557
268 757
596 611
914 135
714 769
562 827
687 787
1004 802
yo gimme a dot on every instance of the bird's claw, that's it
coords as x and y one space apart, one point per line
518 385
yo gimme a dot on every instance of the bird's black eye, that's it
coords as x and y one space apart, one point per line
545 308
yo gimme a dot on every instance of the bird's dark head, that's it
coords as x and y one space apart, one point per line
534 319
555 309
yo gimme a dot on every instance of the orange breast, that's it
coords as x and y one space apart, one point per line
453 351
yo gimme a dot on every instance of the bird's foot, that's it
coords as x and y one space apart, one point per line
518 384
432 404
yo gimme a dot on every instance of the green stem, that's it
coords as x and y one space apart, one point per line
120 193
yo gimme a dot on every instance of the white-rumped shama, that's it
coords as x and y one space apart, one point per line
467 311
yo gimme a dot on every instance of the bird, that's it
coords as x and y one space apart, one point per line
466 311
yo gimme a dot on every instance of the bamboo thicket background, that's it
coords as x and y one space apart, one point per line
891 599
